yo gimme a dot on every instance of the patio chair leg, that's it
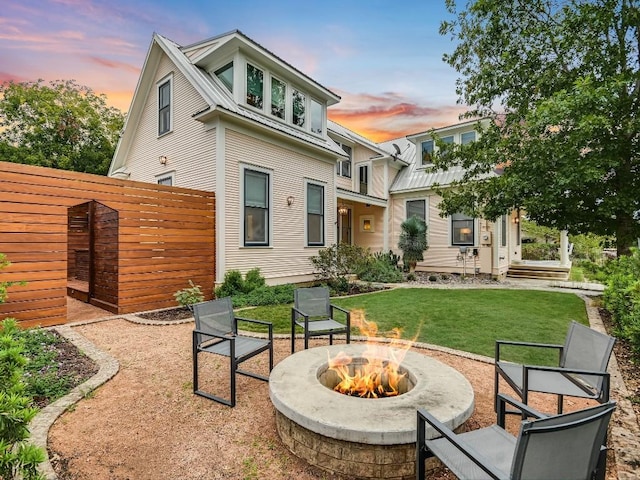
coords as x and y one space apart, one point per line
306 340
293 333
195 365
560 403
331 339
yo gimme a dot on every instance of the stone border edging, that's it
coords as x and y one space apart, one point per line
40 425
625 432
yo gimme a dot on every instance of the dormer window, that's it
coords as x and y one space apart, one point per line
278 98
225 75
316 117
255 86
467 137
427 152
164 107
298 108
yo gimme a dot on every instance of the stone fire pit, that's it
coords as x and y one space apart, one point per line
364 438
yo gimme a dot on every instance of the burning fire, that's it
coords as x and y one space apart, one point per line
377 375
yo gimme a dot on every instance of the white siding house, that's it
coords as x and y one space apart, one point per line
229 116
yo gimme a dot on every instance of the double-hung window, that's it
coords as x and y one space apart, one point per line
364 179
416 208
315 215
427 152
344 166
503 231
164 107
462 230
467 137
256 208
278 98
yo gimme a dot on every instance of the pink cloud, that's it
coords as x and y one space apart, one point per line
390 115
9 77
114 64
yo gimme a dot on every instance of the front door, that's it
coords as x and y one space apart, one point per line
344 227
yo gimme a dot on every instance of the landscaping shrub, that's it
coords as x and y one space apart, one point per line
265 295
413 242
190 295
233 284
18 458
379 269
253 280
622 297
333 264
540 251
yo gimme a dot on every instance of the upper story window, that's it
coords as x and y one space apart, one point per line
417 208
256 208
467 137
462 230
364 179
164 107
255 86
298 105
344 166
315 214
316 117
225 74
427 152
503 231
278 98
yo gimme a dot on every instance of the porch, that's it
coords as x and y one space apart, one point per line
540 269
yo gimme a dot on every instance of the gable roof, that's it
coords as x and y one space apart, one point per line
216 96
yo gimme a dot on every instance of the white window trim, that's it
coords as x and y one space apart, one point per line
369 166
324 214
287 108
160 83
243 168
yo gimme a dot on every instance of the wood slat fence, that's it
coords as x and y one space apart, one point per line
134 243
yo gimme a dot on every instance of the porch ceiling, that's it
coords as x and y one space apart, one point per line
343 194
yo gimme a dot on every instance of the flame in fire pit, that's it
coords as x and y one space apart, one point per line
376 374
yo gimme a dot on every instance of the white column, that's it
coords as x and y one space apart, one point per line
564 248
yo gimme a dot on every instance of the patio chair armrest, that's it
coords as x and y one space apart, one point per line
527 410
511 343
212 335
465 449
343 310
269 325
571 371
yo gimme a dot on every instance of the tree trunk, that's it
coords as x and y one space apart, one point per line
626 234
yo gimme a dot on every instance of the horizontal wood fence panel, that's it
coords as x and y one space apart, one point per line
133 244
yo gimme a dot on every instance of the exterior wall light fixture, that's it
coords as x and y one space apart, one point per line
290 200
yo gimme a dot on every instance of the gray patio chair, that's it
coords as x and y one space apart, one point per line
216 331
581 370
565 446
313 312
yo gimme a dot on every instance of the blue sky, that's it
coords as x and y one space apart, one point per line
383 58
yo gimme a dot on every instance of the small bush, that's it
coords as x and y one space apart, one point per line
333 264
540 251
265 295
233 284
379 270
190 295
621 297
18 458
253 280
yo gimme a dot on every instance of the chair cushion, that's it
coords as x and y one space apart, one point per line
494 444
324 325
545 382
244 346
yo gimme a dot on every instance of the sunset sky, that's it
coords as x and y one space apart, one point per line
383 58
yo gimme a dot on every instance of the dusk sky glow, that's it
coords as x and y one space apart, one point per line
383 58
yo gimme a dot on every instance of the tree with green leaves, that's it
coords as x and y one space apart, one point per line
413 241
59 125
559 82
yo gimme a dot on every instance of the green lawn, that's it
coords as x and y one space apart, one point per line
464 319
